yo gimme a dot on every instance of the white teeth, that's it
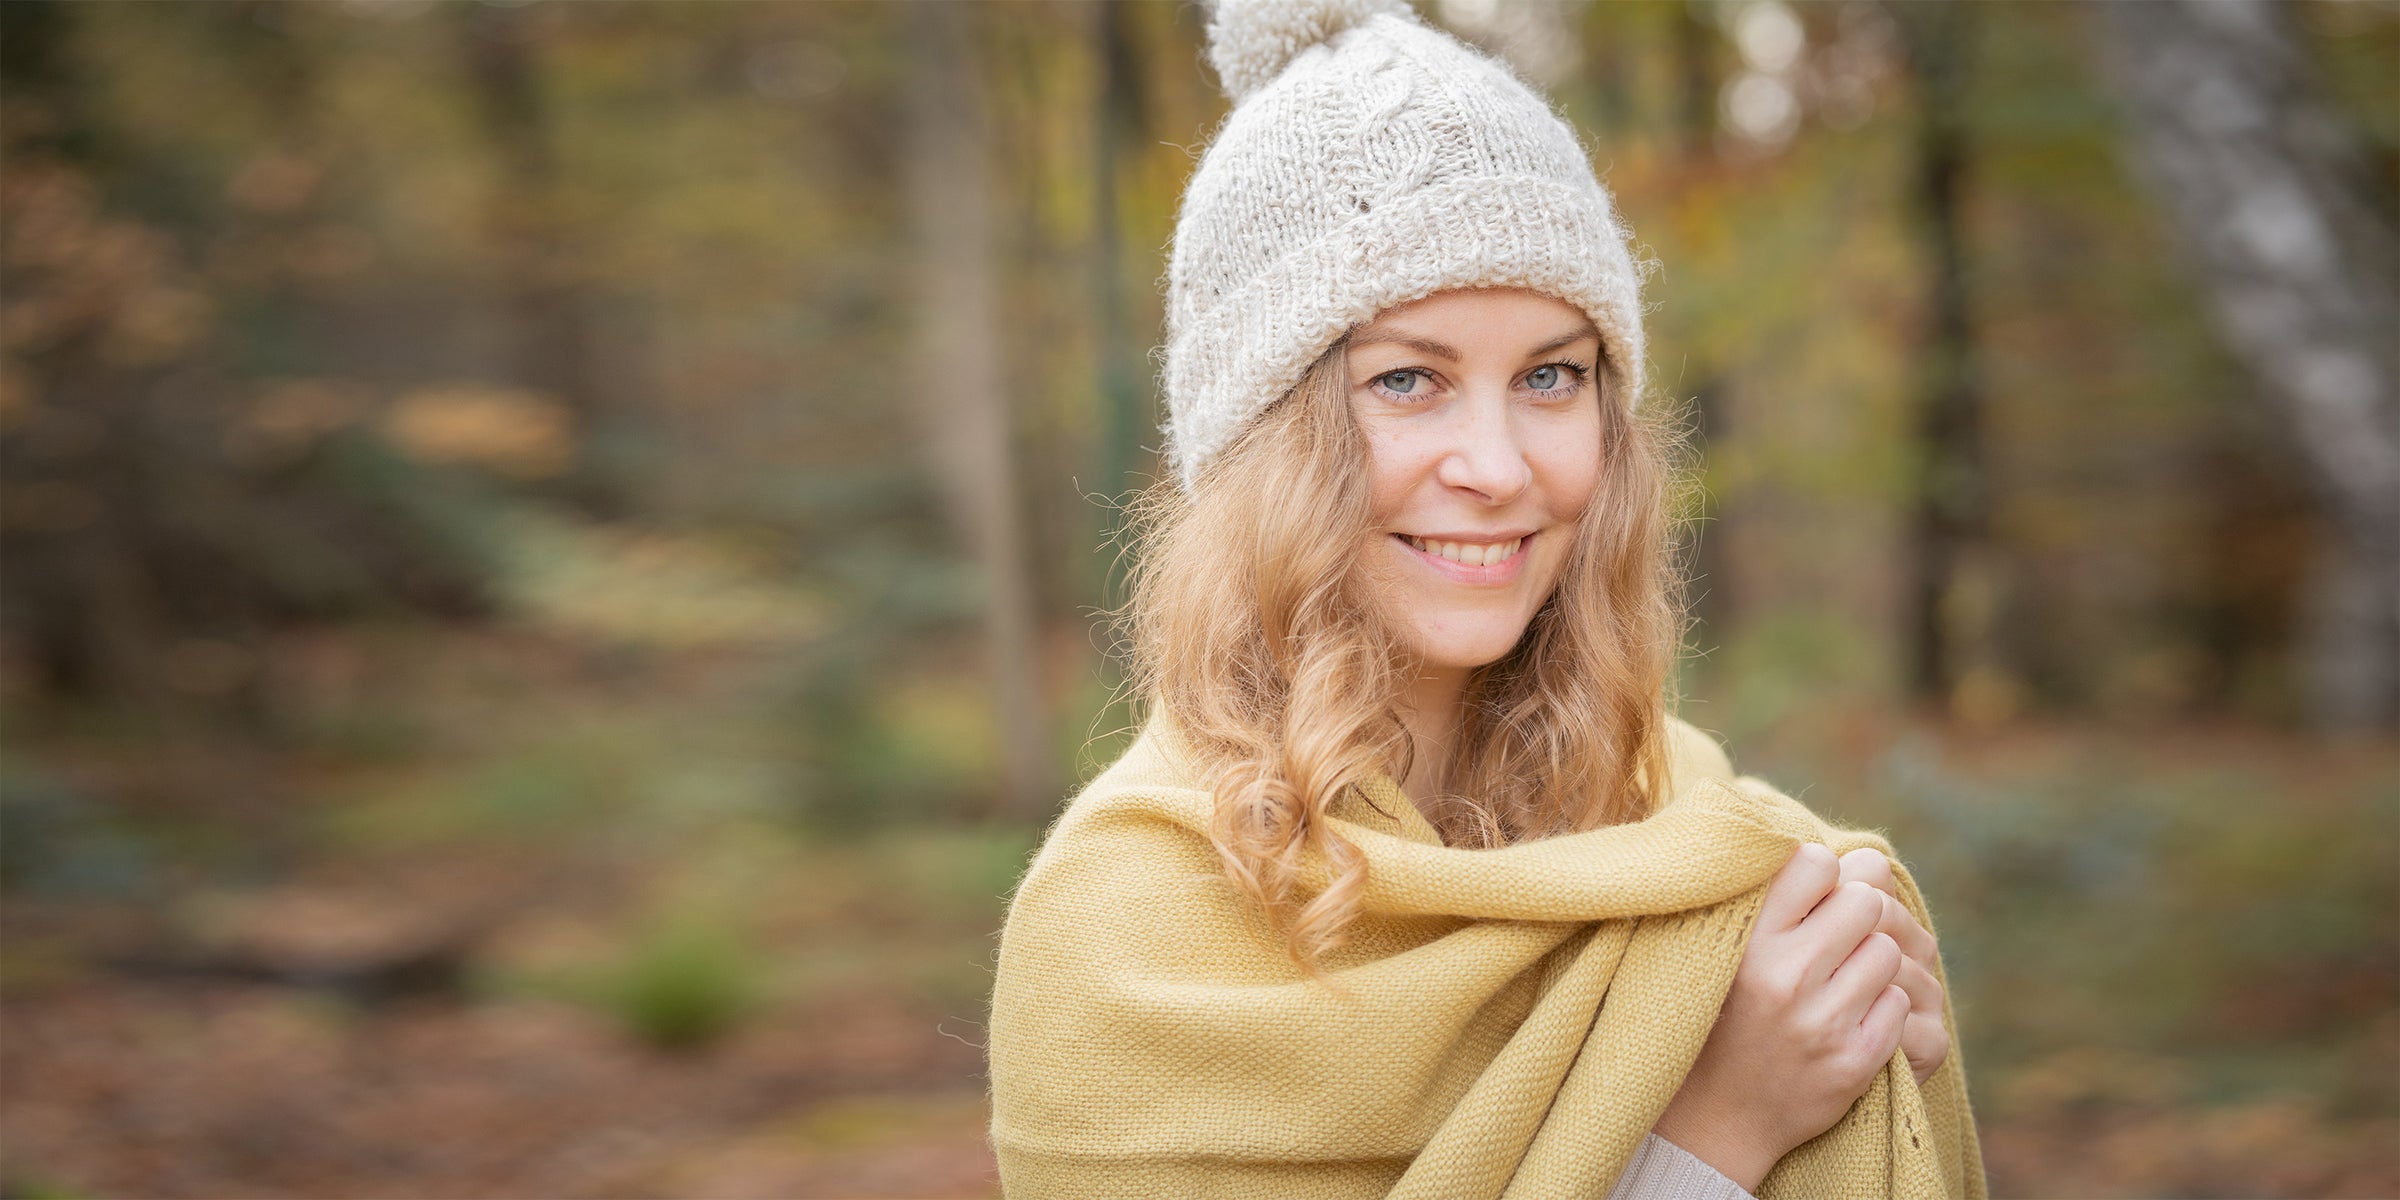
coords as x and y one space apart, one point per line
1471 554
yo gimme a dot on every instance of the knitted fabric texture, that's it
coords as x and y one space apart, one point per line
1504 1022
1369 161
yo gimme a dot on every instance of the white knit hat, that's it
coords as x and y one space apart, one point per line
1369 160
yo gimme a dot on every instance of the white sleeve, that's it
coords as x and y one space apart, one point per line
1662 1170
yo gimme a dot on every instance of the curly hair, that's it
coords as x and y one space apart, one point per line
1249 627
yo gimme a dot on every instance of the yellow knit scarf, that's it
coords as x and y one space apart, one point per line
1505 1022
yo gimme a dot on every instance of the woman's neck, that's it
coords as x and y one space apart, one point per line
1430 711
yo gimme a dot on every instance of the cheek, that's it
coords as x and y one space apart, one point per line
1572 478
1583 490
1395 462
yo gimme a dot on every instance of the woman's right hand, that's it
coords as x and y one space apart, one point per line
1814 1012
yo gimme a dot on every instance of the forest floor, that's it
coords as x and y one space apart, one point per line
582 948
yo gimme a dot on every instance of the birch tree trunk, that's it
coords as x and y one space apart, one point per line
2266 188
962 402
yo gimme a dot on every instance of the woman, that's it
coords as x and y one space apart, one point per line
1411 885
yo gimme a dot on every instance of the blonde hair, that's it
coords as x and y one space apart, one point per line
1250 628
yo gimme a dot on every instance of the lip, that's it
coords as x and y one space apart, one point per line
1481 537
1499 574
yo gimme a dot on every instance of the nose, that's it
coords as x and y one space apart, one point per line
1486 455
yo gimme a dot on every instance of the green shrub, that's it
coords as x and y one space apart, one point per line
682 982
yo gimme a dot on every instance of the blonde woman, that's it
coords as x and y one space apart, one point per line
1412 885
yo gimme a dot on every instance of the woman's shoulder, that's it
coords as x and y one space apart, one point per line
1146 800
1152 772
1122 868
1695 754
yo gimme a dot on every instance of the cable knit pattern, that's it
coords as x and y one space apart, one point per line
1370 160
1502 1023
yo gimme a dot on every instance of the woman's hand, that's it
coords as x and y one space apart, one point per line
1815 1010
1923 1036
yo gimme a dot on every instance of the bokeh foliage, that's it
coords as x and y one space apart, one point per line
475 571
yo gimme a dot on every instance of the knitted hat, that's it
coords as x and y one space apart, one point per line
1369 160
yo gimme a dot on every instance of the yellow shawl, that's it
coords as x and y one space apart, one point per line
1504 1022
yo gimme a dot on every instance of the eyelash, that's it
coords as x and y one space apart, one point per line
1579 375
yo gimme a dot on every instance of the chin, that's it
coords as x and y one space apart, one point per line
1466 650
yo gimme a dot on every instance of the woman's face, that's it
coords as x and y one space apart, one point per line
1482 420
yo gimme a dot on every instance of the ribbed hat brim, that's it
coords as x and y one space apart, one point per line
1484 231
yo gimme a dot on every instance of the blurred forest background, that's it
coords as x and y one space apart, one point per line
553 555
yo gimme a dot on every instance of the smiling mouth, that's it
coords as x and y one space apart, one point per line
1467 554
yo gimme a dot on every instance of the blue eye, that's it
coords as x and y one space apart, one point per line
1402 382
1558 379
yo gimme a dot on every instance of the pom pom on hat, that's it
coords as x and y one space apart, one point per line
1251 41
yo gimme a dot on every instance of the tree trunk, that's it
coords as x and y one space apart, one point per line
1952 524
1695 81
949 182
1126 416
2267 190
554 340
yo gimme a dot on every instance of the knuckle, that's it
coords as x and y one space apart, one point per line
1883 954
1778 985
1854 1061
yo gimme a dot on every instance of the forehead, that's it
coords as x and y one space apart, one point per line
1477 313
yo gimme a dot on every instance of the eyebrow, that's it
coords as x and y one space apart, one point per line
1449 353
